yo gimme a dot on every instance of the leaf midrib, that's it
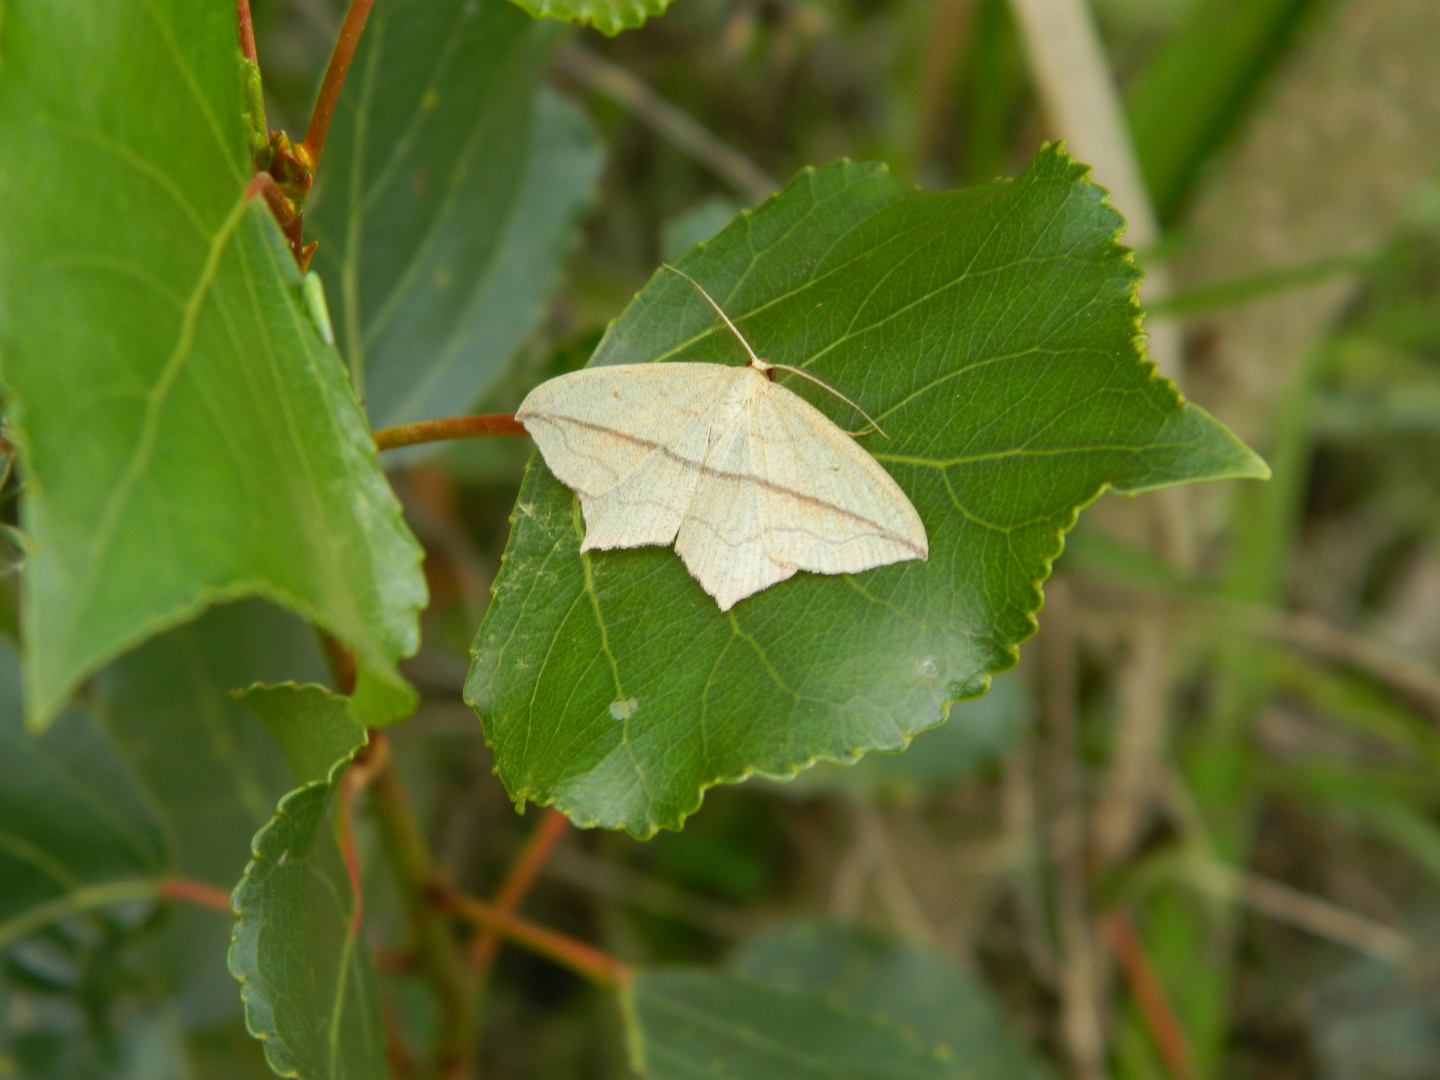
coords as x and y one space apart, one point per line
156 397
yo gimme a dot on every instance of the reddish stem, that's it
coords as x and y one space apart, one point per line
342 667
352 861
396 1054
356 777
392 961
1149 994
522 876
340 58
247 32
455 427
580 958
196 892
263 185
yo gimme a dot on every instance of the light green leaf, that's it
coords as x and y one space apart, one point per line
380 698
187 437
993 334
607 16
307 978
447 201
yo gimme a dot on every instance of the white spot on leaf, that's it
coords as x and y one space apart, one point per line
623 710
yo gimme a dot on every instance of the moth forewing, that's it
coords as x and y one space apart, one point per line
747 479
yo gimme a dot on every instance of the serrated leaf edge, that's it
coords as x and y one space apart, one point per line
610 19
259 1020
1010 654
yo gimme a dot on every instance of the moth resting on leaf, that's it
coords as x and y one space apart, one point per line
748 480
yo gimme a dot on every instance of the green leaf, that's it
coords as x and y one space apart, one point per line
686 1024
76 832
306 975
47 1042
186 435
166 777
447 201
211 772
209 768
608 16
1195 92
978 732
821 1002
874 976
314 727
993 333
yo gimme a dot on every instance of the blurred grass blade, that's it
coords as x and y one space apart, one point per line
1196 90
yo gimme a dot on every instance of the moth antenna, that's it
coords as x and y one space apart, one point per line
755 360
826 386
765 364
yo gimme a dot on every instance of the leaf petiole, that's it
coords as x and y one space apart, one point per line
585 960
455 427
340 58
486 943
247 32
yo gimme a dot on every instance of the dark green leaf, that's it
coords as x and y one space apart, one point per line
76 832
314 727
876 977
187 437
209 767
306 975
689 1024
54 1041
170 777
447 201
210 770
977 733
993 333
817 1001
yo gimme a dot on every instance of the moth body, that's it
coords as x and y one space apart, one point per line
749 481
